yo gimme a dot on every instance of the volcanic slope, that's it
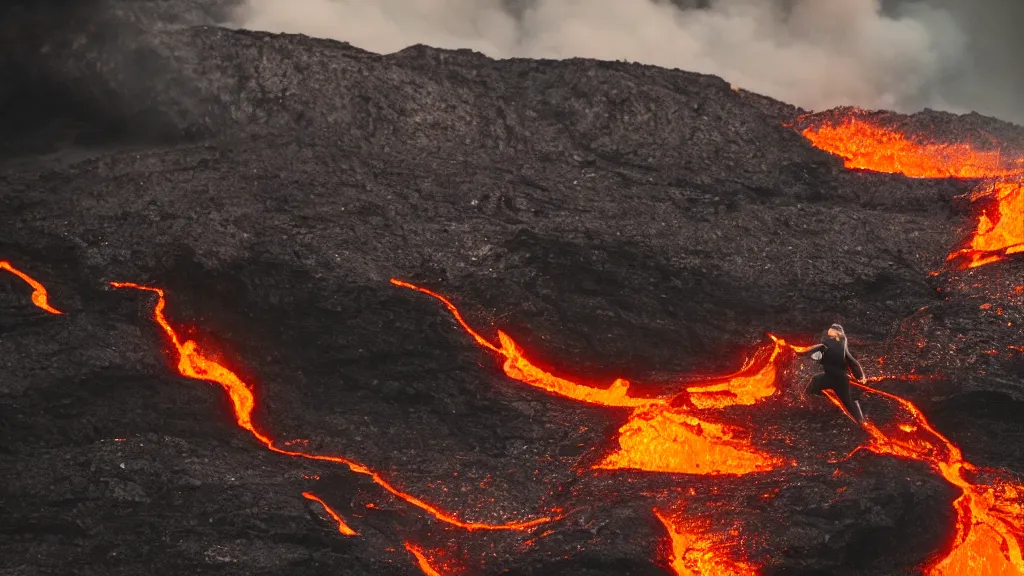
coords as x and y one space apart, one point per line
612 220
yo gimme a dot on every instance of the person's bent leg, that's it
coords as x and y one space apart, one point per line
816 384
842 390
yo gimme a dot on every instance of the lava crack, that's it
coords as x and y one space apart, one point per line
192 363
39 295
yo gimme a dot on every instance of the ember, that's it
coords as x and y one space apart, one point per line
421 560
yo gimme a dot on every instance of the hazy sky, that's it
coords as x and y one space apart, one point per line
946 54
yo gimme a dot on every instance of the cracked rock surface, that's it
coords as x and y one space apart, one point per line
616 220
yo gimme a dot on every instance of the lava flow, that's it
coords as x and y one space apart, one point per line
659 436
193 364
421 560
39 295
343 528
990 516
697 551
1000 228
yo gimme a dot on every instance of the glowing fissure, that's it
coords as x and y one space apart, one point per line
421 560
343 528
1000 229
39 295
658 436
193 364
697 551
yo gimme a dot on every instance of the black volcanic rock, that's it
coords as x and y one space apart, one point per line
617 220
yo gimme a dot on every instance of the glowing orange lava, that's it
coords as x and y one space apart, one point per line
697 551
39 295
421 560
1000 229
658 437
193 364
343 528
990 515
663 438
868 146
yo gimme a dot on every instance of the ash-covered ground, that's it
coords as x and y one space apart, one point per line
616 220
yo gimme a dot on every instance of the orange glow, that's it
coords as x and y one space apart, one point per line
1000 229
342 527
671 441
39 295
193 364
868 146
697 551
990 516
421 560
519 368
659 437
751 384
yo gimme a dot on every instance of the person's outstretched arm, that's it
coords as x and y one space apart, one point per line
858 370
816 348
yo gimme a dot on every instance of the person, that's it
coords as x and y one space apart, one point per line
834 355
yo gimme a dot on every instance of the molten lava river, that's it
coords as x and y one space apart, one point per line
693 430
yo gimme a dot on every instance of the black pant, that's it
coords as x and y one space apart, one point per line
838 384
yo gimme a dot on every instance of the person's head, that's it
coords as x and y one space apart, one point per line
836 331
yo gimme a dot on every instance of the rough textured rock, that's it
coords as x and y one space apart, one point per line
617 220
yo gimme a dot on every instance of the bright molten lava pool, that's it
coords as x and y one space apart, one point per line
868 146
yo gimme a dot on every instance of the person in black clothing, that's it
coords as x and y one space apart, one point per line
836 361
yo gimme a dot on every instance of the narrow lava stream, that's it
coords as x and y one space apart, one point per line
193 364
39 296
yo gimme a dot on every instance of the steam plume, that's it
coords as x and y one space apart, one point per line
813 53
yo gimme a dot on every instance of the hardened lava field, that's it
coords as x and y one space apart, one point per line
321 311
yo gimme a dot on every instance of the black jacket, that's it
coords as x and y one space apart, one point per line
836 358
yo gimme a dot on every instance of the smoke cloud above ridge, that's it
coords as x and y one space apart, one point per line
816 54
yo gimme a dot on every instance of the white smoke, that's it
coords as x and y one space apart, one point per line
813 53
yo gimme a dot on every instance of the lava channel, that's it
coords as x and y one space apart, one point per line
39 296
343 528
990 515
697 551
192 363
1000 228
659 436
